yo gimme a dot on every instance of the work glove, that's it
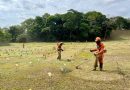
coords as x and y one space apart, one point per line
91 50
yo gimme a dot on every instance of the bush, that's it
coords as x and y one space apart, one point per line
22 38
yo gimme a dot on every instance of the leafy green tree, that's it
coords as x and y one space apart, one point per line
1 35
95 21
56 26
34 27
23 38
45 19
47 35
128 24
28 24
4 35
120 23
15 31
72 20
83 32
71 26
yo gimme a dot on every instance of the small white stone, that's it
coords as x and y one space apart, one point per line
62 69
49 74
7 58
30 62
16 65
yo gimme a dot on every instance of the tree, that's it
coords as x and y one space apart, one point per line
23 38
28 24
95 21
72 20
128 24
120 23
15 31
47 35
71 26
4 35
45 19
56 26
83 32
1 35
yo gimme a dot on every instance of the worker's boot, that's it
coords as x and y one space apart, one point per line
101 66
95 65
57 58
59 55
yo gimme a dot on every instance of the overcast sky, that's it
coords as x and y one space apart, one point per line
15 11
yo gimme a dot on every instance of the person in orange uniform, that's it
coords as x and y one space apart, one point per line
59 50
99 53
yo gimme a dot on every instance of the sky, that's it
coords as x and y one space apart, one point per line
14 12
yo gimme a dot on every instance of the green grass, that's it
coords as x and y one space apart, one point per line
28 68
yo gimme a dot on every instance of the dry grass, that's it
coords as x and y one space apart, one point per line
27 69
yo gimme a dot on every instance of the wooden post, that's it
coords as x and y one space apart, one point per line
23 45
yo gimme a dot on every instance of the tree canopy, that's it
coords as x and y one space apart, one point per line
70 26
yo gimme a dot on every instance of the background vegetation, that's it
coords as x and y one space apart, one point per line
71 26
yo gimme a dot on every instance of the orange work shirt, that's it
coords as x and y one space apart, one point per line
100 48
